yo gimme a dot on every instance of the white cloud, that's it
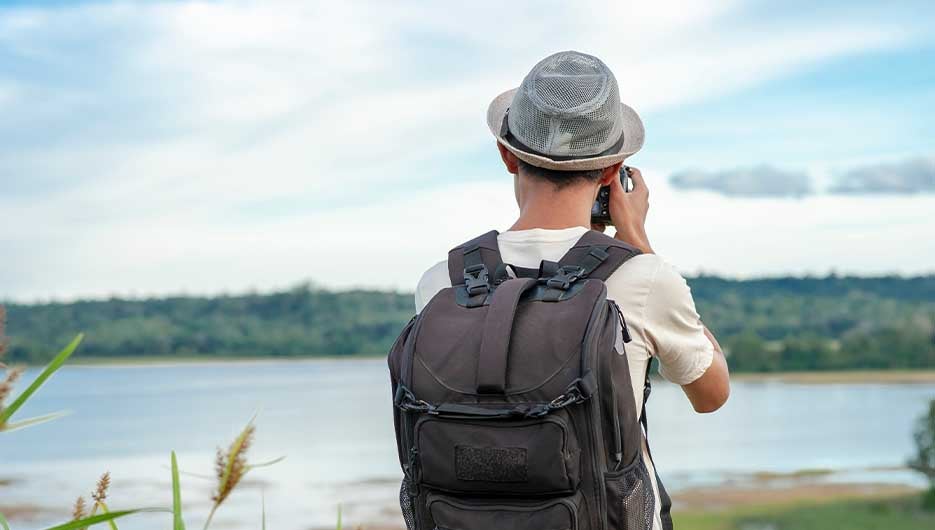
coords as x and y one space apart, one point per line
149 128
759 181
904 177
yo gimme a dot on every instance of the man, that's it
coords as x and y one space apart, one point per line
563 135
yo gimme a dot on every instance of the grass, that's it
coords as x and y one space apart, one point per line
177 522
901 513
6 413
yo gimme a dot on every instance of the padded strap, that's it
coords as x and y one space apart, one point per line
483 249
498 327
599 254
547 268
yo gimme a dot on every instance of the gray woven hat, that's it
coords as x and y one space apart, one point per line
566 115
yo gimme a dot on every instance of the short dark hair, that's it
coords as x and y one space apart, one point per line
560 179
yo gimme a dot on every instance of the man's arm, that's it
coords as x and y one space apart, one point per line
710 391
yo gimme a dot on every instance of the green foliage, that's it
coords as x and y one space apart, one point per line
924 460
765 325
102 518
177 522
928 500
55 364
298 322
869 514
832 323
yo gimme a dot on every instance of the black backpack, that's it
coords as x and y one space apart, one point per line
512 398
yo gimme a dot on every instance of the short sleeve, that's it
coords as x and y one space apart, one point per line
433 280
675 328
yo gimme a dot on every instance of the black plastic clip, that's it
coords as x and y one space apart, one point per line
476 279
406 400
565 276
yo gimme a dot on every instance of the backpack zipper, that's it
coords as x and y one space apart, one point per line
415 490
598 317
517 507
618 443
624 329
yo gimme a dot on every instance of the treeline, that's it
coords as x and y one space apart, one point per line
832 323
299 322
764 325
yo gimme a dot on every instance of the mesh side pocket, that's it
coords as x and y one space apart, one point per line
630 499
405 503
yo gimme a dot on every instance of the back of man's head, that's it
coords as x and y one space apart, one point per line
559 180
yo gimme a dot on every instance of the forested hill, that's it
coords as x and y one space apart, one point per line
766 325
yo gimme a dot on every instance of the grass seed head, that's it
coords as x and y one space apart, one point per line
78 511
6 385
232 465
100 493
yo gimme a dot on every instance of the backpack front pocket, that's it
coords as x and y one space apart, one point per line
464 514
503 456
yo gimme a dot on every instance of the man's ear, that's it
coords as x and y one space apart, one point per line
509 159
610 173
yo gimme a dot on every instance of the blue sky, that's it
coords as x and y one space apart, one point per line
165 147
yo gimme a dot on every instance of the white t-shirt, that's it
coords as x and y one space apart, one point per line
654 298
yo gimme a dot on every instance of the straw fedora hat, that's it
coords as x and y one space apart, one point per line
567 115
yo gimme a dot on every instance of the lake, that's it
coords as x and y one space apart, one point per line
332 421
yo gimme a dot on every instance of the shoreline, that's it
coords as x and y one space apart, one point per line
162 361
896 376
754 491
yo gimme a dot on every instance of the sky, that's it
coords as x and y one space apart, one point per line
157 148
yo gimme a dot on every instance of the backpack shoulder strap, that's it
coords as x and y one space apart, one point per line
476 264
482 250
599 255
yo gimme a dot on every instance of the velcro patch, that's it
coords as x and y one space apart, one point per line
490 464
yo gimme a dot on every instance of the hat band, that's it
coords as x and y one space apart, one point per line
515 142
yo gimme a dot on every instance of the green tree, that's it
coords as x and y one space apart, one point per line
924 459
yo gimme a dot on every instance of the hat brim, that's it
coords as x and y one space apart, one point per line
633 135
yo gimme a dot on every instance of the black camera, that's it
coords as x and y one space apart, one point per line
600 210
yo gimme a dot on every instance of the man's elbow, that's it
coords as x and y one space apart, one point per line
712 401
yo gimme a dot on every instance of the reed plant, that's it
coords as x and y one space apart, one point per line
99 496
13 374
231 465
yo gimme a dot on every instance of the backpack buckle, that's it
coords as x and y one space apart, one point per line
476 279
566 275
406 400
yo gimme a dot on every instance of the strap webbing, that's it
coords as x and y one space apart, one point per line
665 508
498 327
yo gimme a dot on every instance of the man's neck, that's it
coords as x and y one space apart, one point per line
545 208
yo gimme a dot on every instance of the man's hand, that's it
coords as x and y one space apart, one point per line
628 211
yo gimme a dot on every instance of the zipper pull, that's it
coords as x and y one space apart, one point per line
623 323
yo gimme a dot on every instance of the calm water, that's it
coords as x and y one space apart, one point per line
332 421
